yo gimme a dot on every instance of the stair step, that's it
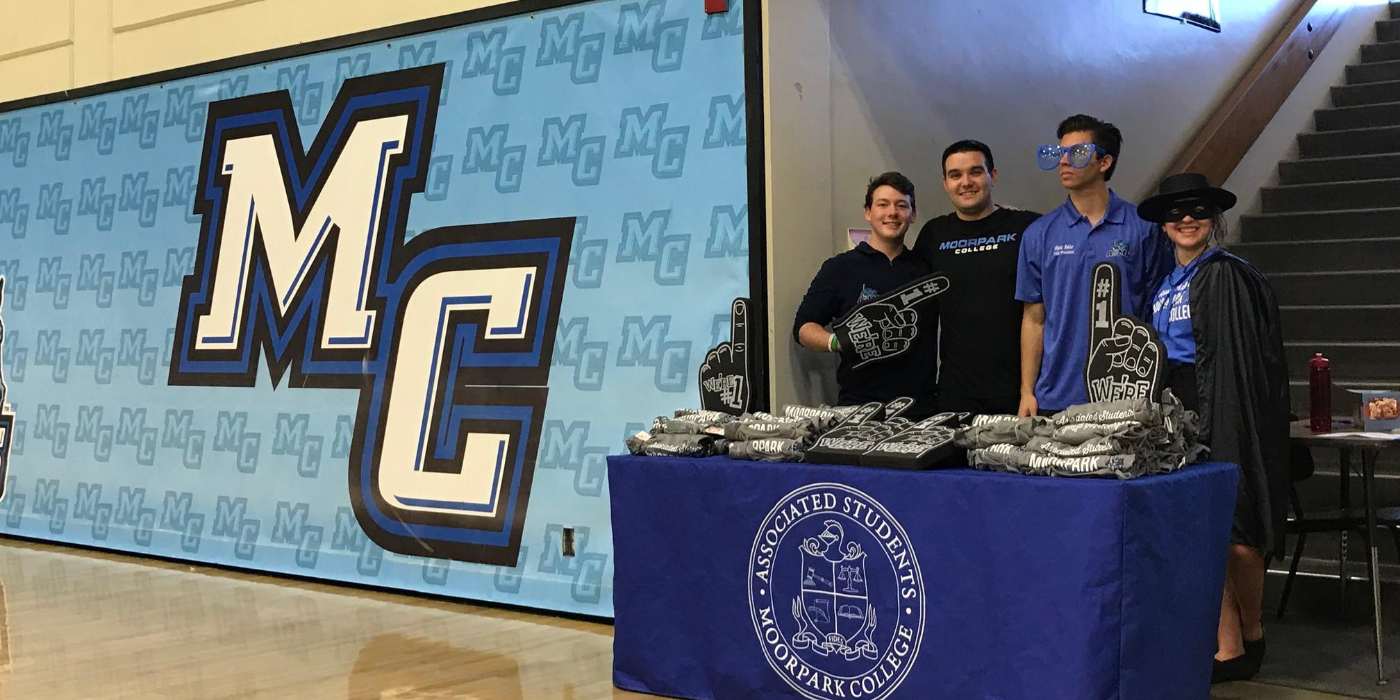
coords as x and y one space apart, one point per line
1320 225
1388 30
1349 142
1340 169
1350 361
1376 72
1323 196
1366 94
1342 323
1359 117
1381 51
1322 254
1368 287
1394 8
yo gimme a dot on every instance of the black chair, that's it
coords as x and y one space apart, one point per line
1346 520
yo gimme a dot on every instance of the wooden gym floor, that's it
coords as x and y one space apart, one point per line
92 625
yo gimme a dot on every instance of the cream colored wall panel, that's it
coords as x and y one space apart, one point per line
92 43
35 73
27 26
244 27
798 135
127 14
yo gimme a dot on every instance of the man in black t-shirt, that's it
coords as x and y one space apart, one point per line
976 247
873 269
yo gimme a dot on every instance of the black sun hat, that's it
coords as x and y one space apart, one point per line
1184 189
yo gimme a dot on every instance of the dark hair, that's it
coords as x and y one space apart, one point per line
893 179
1106 136
968 146
1219 229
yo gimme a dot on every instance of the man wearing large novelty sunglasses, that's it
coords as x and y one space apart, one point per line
1058 255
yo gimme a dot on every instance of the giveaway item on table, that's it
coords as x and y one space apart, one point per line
864 439
724 375
701 414
769 450
691 433
768 438
676 445
1123 439
824 417
992 429
919 446
859 431
685 426
1126 359
886 326
764 426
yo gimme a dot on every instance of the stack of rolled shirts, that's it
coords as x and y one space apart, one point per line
780 438
753 436
690 433
1123 439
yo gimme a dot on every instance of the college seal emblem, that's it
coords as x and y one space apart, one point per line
836 595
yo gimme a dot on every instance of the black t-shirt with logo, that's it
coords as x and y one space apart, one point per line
981 319
857 276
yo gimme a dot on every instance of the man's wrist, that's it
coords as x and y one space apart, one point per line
833 344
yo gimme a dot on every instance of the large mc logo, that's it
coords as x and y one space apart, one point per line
302 258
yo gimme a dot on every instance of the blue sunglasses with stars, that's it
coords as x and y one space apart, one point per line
1080 154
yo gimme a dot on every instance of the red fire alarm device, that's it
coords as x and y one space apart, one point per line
715 7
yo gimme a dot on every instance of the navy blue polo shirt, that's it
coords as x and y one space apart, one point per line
860 275
1171 311
1058 255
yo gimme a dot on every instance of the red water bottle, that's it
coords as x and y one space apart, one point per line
1320 384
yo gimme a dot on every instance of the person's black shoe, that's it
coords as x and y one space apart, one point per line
1254 651
1240 668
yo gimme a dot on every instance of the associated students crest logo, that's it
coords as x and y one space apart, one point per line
836 594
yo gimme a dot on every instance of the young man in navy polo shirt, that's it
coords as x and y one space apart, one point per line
877 267
1058 254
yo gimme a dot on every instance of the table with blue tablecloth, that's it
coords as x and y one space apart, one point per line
739 580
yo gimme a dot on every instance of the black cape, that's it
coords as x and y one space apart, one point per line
1242 379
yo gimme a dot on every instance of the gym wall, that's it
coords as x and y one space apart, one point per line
372 309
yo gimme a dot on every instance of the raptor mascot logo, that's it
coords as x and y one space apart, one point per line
302 259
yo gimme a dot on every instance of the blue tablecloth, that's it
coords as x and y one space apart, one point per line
738 580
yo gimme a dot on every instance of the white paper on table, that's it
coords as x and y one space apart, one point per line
1362 435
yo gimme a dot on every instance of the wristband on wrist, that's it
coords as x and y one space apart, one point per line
834 345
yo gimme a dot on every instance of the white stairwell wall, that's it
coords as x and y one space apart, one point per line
857 87
1279 141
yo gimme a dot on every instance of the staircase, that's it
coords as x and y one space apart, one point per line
1328 238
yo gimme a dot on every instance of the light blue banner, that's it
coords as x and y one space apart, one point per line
621 121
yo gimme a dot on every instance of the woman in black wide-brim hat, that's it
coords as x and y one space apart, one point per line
1219 320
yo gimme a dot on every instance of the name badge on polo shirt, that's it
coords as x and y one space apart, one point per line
1063 249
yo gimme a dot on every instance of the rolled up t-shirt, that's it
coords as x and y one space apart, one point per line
768 450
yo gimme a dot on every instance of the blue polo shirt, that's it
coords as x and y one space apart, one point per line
1058 255
1171 311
